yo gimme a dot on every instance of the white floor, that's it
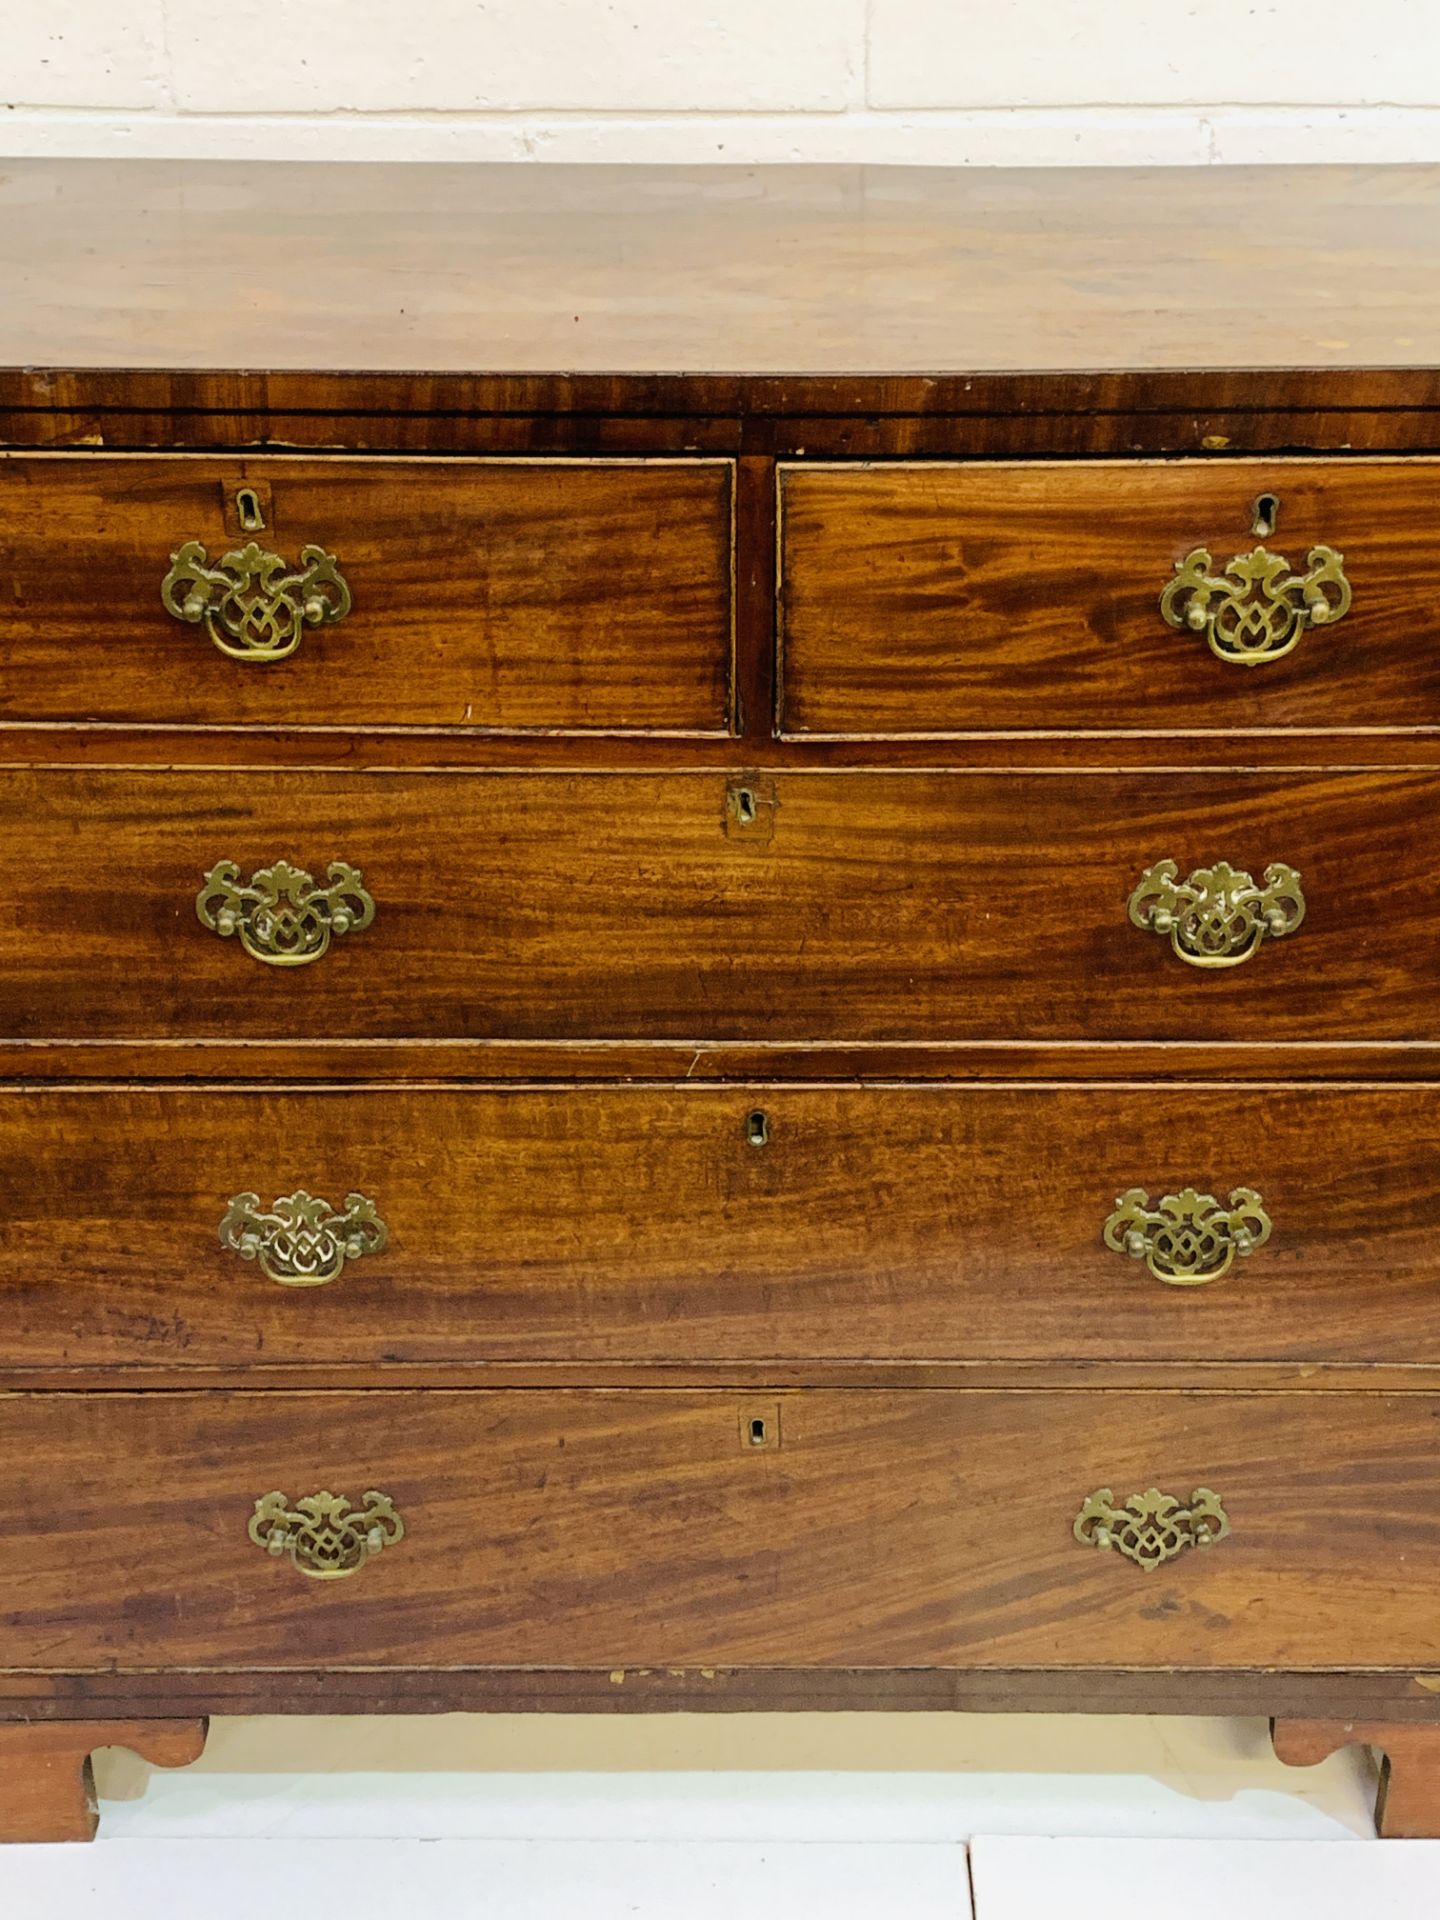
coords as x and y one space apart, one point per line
690 1817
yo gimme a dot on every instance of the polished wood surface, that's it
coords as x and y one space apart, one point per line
633 1528
392 749
303 1060
861 907
560 425
731 269
935 599
1023 415
584 596
47 1789
1241 1692
640 1225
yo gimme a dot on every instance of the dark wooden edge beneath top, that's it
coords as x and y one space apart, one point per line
1242 1692
1381 409
1296 1374
754 749
357 391
316 1060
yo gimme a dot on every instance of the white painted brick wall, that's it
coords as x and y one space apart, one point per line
1189 53
527 56
81 53
1002 81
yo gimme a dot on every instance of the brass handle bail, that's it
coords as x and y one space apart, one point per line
302 1241
281 914
324 1536
1188 1239
1255 609
1152 1527
1219 915
253 607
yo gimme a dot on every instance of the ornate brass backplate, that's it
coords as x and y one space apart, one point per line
302 1241
1218 916
1151 1527
325 1538
281 915
252 606
1256 609
1187 1239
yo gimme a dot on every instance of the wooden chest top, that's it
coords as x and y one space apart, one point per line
725 269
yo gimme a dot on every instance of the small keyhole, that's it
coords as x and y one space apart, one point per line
757 1128
750 807
760 1429
1267 512
247 511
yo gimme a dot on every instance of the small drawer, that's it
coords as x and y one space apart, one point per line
1263 908
1109 596
272 592
365 1228
290 1531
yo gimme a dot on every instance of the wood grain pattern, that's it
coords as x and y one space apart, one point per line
619 1529
1402 1698
1110 1376
497 411
808 269
936 599
638 1224
47 1789
573 595
395 749
303 1060
522 736
869 416
899 907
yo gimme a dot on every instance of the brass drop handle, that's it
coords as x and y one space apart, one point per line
324 1536
1218 916
1255 609
301 1241
1151 1527
251 604
281 914
1188 1239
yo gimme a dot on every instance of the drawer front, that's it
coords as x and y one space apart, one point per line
585 595
947 599
908 906
873 1528
174 1228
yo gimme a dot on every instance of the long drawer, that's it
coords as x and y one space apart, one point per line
1122 595
886 906
270 592
237 1228
595 1529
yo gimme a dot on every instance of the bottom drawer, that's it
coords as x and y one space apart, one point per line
664 1528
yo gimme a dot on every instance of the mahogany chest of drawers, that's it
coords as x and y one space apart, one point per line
720 949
